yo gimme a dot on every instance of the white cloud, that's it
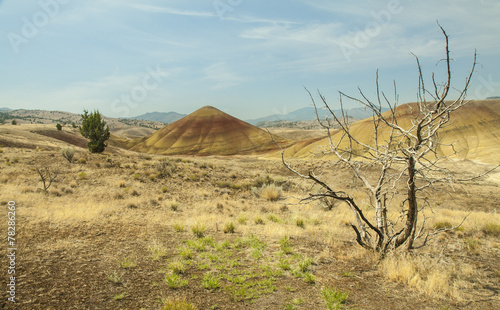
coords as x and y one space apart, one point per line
158 9
221 75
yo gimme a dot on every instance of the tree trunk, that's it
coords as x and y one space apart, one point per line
411 217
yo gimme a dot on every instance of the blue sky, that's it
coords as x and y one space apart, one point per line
250 58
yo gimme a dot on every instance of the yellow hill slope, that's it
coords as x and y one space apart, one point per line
474 132
207 131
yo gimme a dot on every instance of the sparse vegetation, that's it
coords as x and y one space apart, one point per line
172 304
210 282
115 277
198 230
270 192
229 228
68 153
127 263
334 299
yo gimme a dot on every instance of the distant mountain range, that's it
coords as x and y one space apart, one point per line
309 114
304 114
5 109
168 117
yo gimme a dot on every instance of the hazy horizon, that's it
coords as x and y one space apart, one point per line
248 58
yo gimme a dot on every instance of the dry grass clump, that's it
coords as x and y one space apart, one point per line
4 179
229 228
198 230
121 184
428 275
491 229
270 192
172 304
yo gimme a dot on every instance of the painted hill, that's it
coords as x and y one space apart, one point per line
474 131
207 131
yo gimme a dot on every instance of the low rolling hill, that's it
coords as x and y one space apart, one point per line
474 131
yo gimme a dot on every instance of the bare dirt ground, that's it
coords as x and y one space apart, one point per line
120 231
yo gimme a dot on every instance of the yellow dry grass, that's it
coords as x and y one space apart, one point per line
126 196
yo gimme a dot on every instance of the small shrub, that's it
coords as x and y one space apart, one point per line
165 168
82 176
271 192
242 220
164 189
136 176
82 161
229 228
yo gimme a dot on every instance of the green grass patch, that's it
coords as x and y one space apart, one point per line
210 282
334 299
174 281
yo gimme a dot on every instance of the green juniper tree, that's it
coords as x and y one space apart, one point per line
95 129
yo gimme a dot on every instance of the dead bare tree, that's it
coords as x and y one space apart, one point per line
404 149
47 176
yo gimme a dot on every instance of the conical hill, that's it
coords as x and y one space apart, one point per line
207 131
